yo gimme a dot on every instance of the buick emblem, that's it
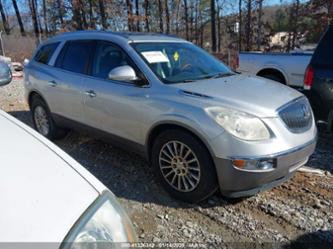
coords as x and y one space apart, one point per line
306 111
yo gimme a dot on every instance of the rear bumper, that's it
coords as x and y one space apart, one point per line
240 183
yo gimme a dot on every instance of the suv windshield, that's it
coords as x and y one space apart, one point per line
176 62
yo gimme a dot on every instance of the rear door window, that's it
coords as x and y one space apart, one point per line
324 52
74 56
45 53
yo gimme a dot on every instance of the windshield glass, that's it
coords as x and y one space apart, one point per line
175 62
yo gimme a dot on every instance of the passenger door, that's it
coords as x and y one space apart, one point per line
69 80
115 107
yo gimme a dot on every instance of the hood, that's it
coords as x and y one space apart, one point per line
255 95
42 195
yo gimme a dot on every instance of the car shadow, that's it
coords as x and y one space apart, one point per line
316 240
126 174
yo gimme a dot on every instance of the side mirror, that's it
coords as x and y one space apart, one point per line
5 74
123 73
26 61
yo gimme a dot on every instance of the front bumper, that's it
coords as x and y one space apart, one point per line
236 183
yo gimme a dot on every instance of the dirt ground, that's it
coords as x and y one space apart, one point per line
298 213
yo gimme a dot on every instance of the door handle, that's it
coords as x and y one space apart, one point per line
90 93
52 83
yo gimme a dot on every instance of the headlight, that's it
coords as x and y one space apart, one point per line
101 226
239 124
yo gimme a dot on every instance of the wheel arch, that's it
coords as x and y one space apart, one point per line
273 70
35 93
158 128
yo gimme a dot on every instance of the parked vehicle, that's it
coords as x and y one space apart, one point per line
319 79
286 68
48 197
199 124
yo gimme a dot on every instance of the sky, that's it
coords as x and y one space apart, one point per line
273 2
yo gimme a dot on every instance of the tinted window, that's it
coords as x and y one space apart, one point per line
45 53
107 57
74 56
324 52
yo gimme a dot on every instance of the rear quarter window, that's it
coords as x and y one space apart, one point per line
45 53
324 52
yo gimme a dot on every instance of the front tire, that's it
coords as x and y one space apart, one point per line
184 166
43 121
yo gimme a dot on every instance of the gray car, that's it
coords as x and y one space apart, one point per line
201 125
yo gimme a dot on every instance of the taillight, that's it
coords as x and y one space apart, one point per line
308 78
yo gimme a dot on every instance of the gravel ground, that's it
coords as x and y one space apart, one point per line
299 211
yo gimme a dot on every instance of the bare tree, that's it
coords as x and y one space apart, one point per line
295 23
19 19
191 20
45 18
147 14
240 25
137 15
213 24
160 9
175 15
219 10
167 16
319 5
186 19
248 25
91 15
83 14
196 22
33 7
129 14
77 18
4 19
103 15
60 12
260 13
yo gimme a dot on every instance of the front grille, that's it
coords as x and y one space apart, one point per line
296 115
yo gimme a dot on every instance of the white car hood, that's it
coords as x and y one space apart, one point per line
43 191
255 95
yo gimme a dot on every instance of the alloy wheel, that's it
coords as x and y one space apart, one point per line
41 121
180 166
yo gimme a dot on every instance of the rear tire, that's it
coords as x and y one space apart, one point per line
43 121
184 166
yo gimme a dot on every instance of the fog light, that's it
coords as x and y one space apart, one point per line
254 164
265 165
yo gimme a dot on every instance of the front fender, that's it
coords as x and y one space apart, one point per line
205 133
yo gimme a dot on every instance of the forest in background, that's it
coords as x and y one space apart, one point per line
215 25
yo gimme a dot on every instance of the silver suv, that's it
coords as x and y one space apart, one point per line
201 125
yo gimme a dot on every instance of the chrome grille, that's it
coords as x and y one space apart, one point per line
297 115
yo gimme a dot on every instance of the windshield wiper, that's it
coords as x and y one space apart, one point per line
219 75
186 81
